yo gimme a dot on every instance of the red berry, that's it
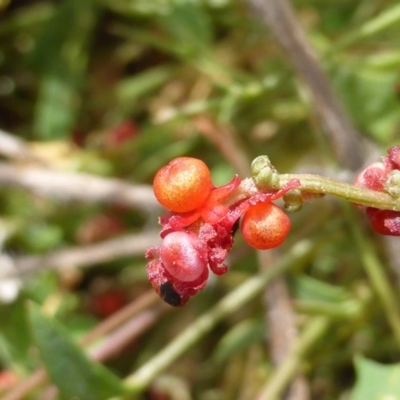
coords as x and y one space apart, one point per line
107 303
385 222
183 256
394 157
265 226
121 133
183 185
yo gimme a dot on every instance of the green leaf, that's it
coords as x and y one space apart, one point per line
15 337
68 367
369 95
311 289
130 90
190 25
60 56
376 381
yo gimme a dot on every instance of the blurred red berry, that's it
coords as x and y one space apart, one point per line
121 134
108 302
382 177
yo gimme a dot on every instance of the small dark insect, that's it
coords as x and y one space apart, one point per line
169 295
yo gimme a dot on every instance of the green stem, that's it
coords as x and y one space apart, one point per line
280 378
205 323
347 310
321 185
382 21
377 277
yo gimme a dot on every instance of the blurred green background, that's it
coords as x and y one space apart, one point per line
116 89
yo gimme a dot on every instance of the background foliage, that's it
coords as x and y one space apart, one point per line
116 89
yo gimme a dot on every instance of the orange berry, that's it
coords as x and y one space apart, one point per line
265 226
183 185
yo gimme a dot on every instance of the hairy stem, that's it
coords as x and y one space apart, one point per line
320 185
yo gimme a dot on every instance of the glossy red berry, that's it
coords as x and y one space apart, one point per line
385 222
265 226
184 256
183 185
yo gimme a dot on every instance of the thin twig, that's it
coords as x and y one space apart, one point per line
140 304
13 147
118 340
284 373
67 186
279 16
21 389
82 256
282 327
225 141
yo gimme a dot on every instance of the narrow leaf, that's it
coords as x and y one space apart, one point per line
68 367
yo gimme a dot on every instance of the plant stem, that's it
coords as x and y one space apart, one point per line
205 323
382 21
283 374
321 185
377 277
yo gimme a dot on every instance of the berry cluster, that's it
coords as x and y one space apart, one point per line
198 230
383 177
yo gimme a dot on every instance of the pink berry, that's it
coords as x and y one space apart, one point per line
183 255
385 222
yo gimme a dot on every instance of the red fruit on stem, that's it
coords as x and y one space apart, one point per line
265 226
198 231
385 222
183 185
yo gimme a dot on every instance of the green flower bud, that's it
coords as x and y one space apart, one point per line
264 174
392 183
